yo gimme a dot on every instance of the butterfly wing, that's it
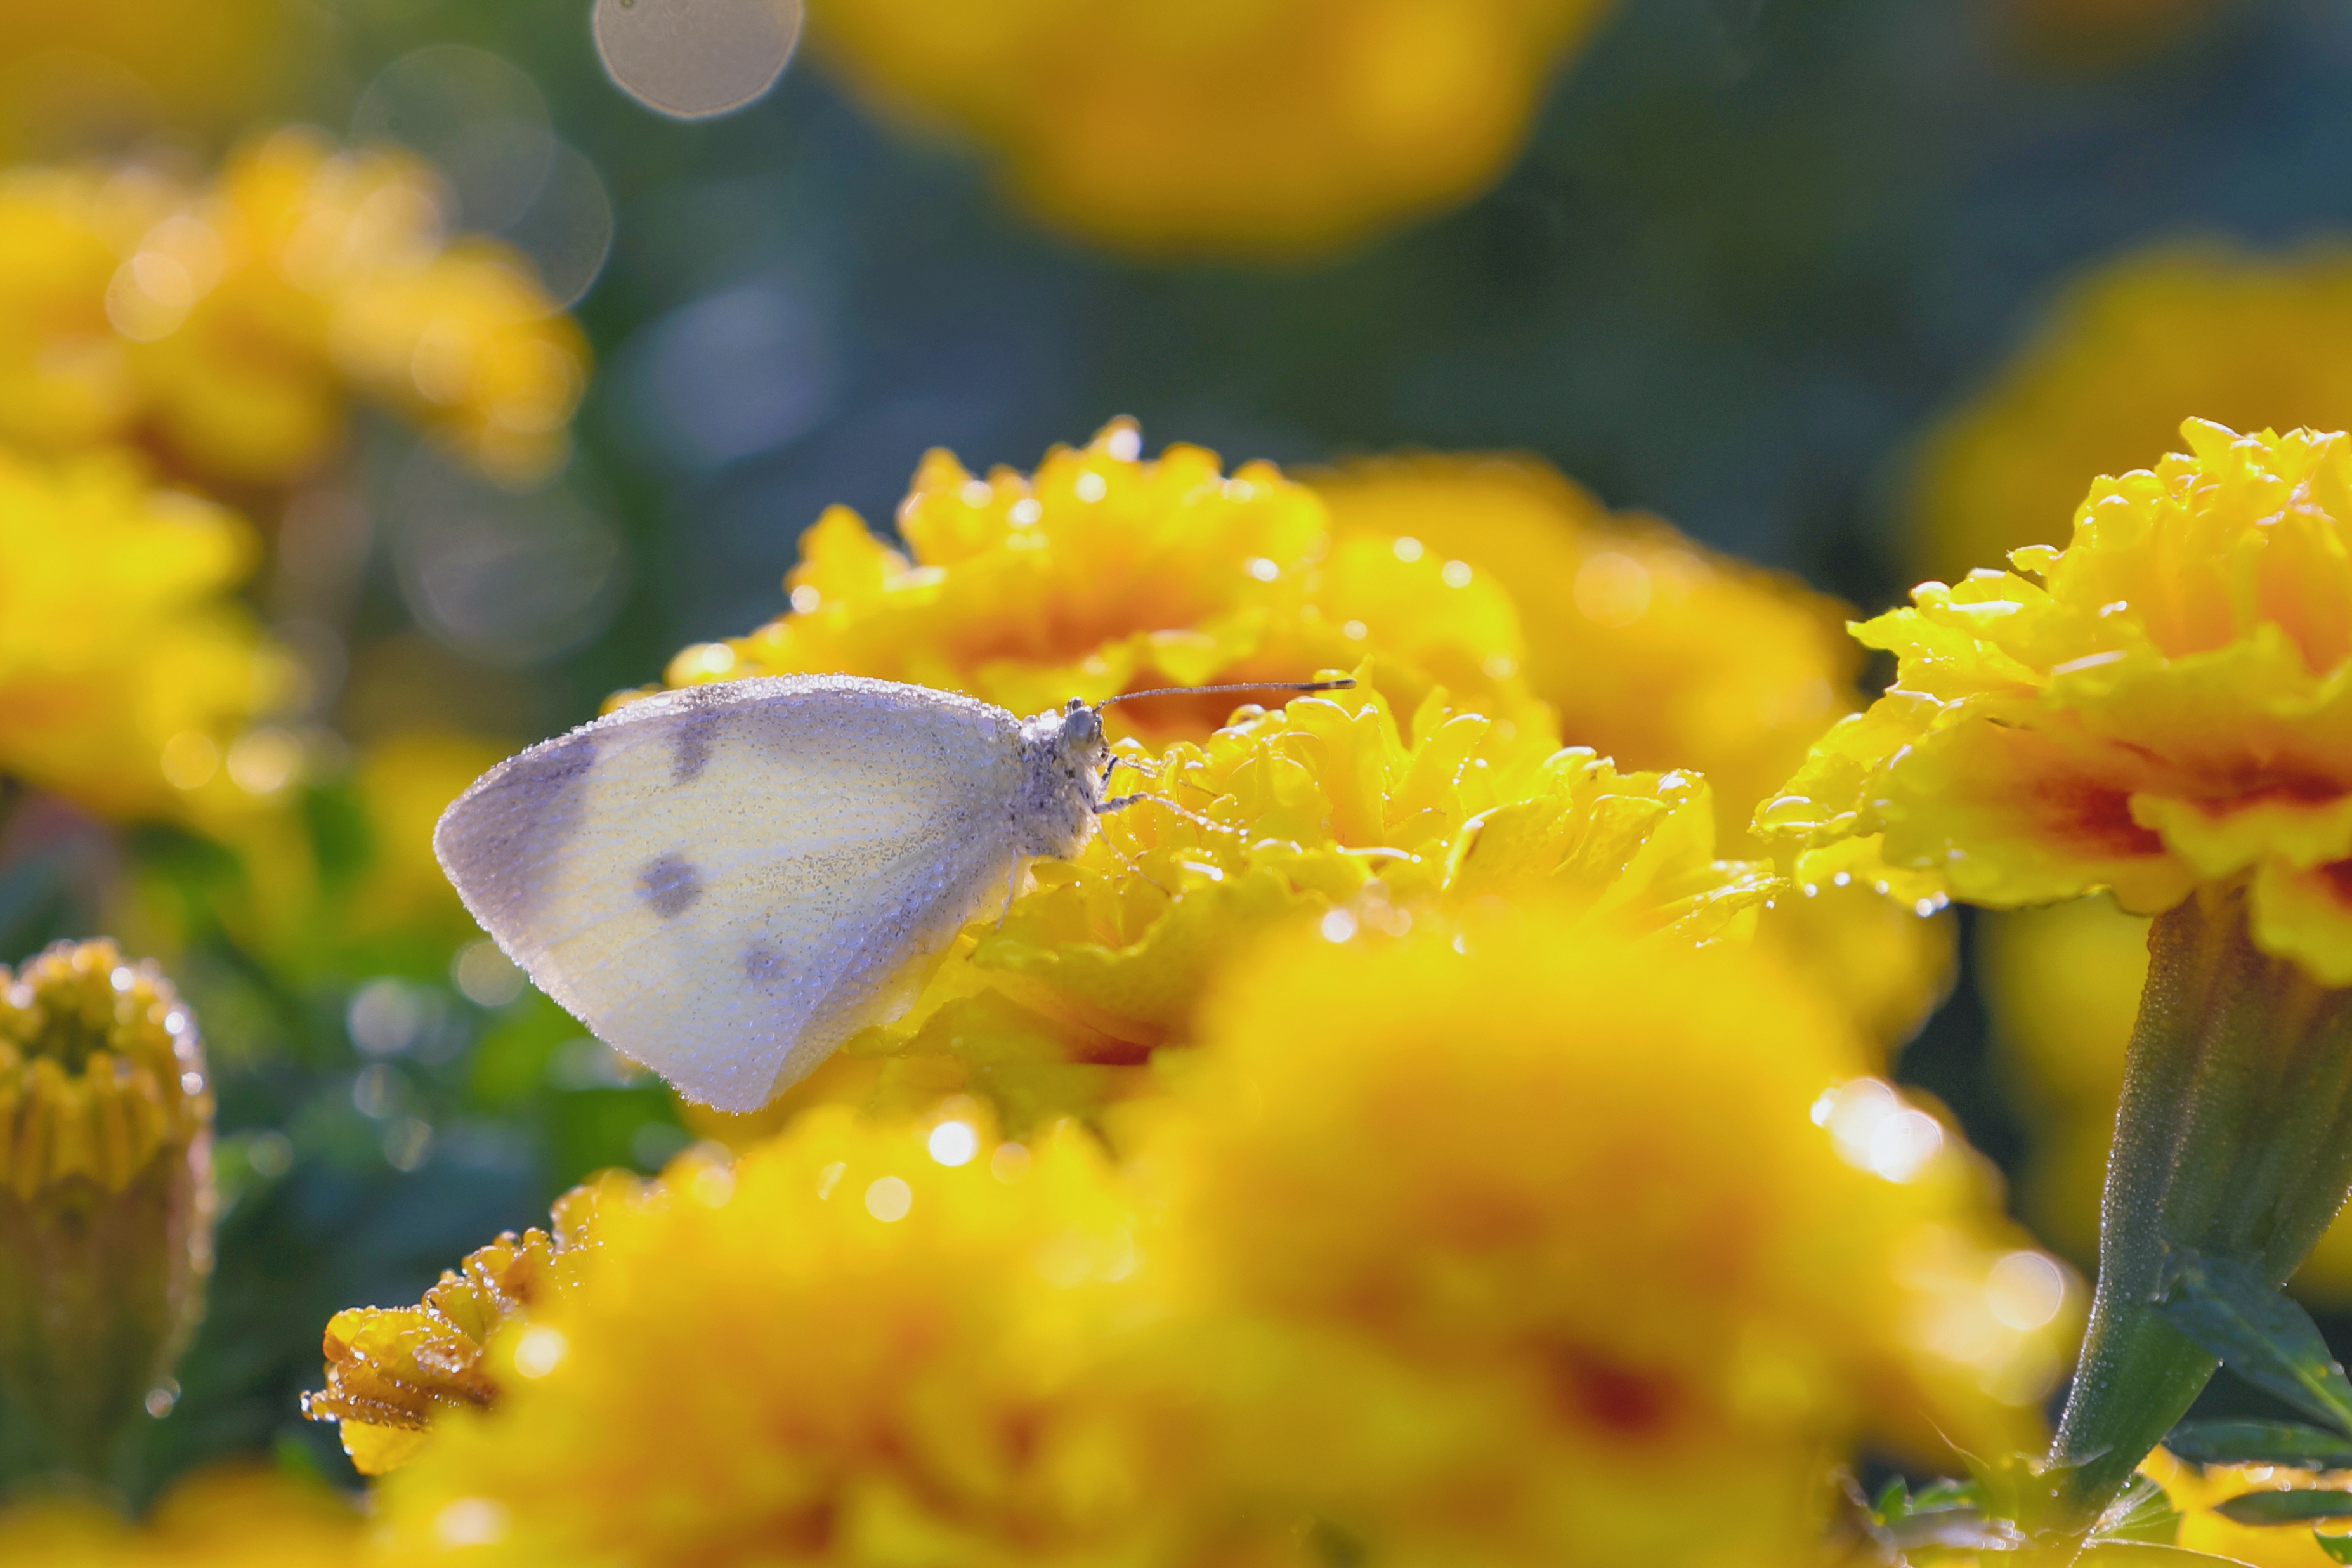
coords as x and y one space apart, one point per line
728 882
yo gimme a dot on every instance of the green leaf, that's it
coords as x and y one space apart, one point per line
2258 1443
2338 1547
1946 1494
2234 1313
2141 1512
2285 1508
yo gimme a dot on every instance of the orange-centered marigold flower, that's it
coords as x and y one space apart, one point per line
2170 706
1105 571
1268 127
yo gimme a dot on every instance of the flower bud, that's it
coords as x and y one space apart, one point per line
105 1196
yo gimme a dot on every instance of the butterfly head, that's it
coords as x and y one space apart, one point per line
1063 755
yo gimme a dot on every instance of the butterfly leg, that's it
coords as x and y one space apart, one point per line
1147 769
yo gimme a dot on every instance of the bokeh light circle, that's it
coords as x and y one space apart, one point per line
692 58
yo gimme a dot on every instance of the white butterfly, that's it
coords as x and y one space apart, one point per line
728 882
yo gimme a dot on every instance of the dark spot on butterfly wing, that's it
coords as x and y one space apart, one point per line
502 839
702 713
670 884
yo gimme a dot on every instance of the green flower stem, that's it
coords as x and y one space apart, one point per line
2233 1137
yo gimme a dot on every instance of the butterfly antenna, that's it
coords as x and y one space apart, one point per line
1346 683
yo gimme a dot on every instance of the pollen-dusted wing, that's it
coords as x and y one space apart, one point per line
728 882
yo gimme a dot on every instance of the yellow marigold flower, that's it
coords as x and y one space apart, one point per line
2130 351
391 1370
1513 1233
126 673
224 321
1271 127
2165 710
1103 573
218 1519
861 1345
2196 1493
106 1198
1317 815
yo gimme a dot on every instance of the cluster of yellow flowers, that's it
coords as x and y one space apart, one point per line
1518 1167
1106 573
1270 127
215 330
221 322
1473 1243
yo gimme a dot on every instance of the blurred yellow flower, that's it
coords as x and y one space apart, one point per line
2201 330
106 1194
126 675
92 71
219 1518
223 322
1245 128
1319 815
2196 1493
404 782
860 1344
1523 1244
391 1370
1658 652
2166 708
1651 649
2062 984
